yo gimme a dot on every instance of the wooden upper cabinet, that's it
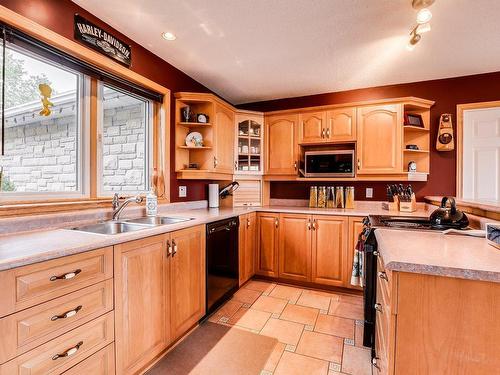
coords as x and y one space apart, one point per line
141 302
312 127
187 279
341 124
224 134
267 244
379 139
281 147
295 247
329 243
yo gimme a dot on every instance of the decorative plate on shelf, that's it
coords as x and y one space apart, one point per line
194 139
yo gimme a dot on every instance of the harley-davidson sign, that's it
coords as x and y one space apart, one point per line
99 40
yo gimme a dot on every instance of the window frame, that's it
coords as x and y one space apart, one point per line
82 141
162 118
148 141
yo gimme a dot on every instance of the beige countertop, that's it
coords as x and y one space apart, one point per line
434 253
19 249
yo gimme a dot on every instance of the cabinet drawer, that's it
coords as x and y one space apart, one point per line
29 328
381 362
384 282
30 285
100 363
60 354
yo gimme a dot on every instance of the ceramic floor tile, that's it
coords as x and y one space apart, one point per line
286 332
300 314
260 286
358 335
357 300
246 295
269 304
334 325
286 292
317 301
275 356
356 361
296 364
346 310
250 319
226 311
321 346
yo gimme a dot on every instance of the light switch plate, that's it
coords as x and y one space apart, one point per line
182 191
369 192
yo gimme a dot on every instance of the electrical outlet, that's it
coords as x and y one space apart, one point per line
369 192
182 191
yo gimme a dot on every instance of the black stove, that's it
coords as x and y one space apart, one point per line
401 222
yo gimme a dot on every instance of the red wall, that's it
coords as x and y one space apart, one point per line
57 15
447 93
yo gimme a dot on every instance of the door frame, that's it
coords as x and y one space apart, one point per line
459 138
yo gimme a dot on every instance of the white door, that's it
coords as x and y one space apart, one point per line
481 154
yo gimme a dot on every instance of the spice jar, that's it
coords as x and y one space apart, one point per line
349 197
330 197
339 197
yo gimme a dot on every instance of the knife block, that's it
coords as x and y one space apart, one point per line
391 206
410 206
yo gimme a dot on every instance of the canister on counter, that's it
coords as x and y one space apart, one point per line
322 197
339 196
313 196
349 197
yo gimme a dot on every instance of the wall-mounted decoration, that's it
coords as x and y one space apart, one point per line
96 38
413 119
445 140
46 93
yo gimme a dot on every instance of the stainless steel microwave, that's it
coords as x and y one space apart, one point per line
336 163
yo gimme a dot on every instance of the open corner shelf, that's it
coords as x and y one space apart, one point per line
416 151
195 148
194 124
415 128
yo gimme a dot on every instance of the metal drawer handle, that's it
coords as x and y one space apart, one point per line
69 352
67 314
375 253
66 276
309 224
322 133
314 224
375 363
378 307
169 248
276 223
174 245
248 223
327 133
383 275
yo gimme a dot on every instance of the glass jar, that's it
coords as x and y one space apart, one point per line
331 197
339 197
313 196
322 197
349 197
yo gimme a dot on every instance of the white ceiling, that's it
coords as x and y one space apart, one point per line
252 50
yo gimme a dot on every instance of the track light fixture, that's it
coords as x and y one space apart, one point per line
424 16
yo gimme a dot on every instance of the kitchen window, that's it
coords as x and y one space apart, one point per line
43 139
125 124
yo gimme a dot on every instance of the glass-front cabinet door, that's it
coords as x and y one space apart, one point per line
249 145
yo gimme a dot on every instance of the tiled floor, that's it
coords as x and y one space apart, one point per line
318 332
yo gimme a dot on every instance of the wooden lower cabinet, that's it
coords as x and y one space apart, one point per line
329 250
295 247
247 246
187 279
159 294
141 302
267 244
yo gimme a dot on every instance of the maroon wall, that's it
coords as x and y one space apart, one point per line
447 93
57 15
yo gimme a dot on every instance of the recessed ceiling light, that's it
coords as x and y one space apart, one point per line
168 36
424 15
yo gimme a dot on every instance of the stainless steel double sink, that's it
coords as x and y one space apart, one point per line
130 225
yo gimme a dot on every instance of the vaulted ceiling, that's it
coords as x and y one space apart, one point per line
252 50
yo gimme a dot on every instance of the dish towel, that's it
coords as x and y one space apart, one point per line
358 262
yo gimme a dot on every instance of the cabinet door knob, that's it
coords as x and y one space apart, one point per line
68 352
248 223
314 224
383 275
174 246
327 133
67 314
169 248
359 164
66 276
215 162
322 133
276 223
295 165
235 165
309 224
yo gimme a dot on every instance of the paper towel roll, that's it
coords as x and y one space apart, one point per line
213 195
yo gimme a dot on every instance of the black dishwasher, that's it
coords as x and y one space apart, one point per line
222 262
